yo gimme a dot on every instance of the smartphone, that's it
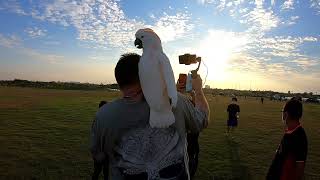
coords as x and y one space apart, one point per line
189 83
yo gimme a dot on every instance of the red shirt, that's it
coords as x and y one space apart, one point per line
293 148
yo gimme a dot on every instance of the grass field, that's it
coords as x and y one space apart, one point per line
44 134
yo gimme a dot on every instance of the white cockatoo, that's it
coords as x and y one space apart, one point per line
156 78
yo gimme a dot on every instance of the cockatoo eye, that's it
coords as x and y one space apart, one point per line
142 36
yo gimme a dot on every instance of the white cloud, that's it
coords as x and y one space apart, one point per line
152 16
10 41
36 55
36 32
283 76
237 2
221 6
103 24
260 20
288 4
243 10
259 3
15 42
12 6
171 27
316 5
283 46
251 13
305 62
205 1
246 62
230 5
310 39
292 20
243 52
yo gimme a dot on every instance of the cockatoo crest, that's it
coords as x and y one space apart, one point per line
149 39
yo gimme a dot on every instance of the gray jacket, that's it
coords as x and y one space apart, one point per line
121 131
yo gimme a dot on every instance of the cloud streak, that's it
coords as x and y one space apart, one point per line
103 23
9 41
172 27
316 5
288 4
14 42
36 32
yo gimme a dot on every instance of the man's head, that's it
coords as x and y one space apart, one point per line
126 71
299 98
234 99
292 110
127 74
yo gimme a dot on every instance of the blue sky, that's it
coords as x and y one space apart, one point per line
257 44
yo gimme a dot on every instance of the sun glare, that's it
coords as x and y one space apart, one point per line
216 51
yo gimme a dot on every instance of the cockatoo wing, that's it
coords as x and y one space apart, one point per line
154 89
151 80
161 119
169 79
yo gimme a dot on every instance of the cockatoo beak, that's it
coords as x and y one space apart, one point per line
138 43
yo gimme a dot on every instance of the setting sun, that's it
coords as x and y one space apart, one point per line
216 51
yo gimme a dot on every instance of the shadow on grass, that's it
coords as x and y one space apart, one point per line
239 170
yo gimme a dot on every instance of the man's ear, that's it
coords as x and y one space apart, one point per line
285 116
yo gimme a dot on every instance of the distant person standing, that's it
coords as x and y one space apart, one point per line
233 115
291 155
262 99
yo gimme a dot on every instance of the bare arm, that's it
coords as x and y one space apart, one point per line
200 99
95 143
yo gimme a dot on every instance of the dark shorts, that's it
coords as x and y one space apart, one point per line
232 122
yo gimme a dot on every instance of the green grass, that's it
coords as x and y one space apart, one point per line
44 134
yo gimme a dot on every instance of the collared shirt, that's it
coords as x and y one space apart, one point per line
121 129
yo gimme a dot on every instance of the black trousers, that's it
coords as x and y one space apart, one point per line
98 167
193 152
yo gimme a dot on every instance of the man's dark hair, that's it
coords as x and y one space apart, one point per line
234 99
299 98
294 109
126 71
102 103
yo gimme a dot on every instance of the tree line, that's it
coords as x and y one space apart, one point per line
57 85
115 87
